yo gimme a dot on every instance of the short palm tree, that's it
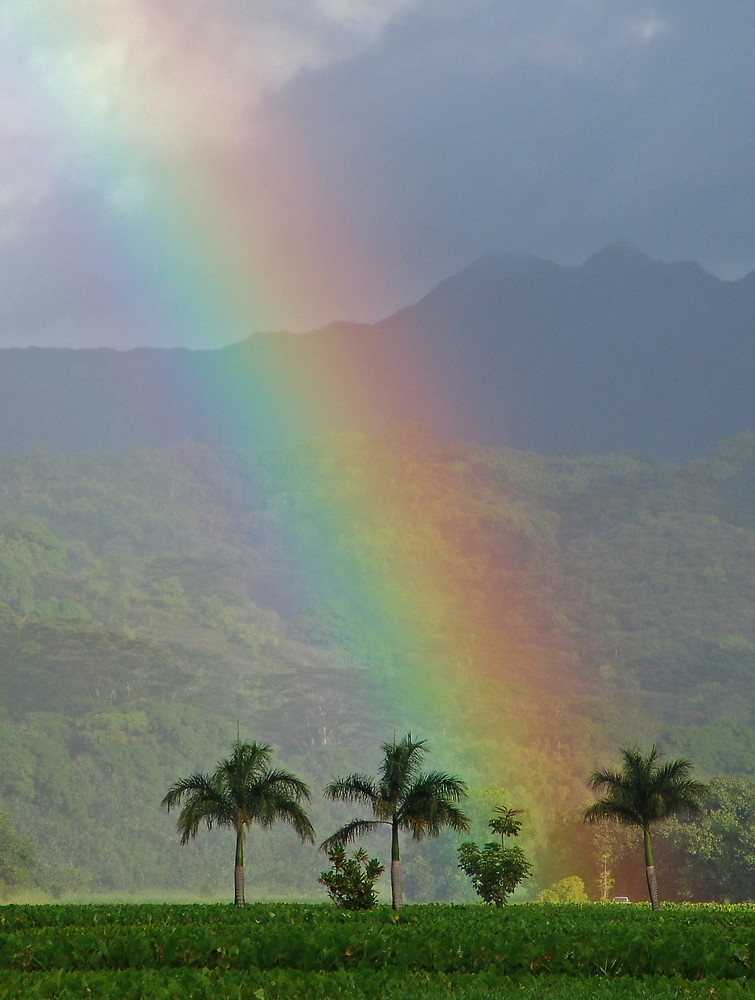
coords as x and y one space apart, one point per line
401 797
504 822
645 792
242 790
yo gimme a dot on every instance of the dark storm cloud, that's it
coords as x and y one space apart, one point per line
550 128
413 136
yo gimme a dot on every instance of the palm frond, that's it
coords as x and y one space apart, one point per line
271 804
212 813
241 791
430 805
246 762
287 783
440 785
402 761
203 800
291 812
605 779
685 796
350 831
610 810
353 788
183 787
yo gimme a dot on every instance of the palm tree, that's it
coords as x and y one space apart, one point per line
242 790
645 792
402 797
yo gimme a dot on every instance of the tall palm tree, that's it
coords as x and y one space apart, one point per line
645 792
401 797
242 790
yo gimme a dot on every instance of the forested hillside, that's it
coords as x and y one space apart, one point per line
153 601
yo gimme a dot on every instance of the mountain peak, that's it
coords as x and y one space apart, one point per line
619 252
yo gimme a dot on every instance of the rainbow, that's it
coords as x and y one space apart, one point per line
187 230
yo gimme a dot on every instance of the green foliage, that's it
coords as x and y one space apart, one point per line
17 857
505 823
495 870
290 608
567 890
351 881
644 791
286 950
282 984
716 853
44 548
168 594
16 587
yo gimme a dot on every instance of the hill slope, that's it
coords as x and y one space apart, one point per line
152 601
619 354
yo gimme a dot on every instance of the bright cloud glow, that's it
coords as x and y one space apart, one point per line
178 72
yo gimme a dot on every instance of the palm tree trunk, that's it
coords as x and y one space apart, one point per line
650 871
397 892
238 871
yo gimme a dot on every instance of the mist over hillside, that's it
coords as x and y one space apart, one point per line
621 353
478 539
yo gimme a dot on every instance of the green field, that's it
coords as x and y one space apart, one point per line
287 950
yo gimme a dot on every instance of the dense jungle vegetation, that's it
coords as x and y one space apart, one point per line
152 601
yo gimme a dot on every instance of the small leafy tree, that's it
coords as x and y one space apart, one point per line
496 870
605 845
351 881
504 823
569 890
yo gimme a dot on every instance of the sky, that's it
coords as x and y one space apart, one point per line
316 160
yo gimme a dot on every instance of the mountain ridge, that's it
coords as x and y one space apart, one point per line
620 353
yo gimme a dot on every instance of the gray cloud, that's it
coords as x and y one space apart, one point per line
405 138
550 128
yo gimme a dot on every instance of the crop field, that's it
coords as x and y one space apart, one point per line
271 951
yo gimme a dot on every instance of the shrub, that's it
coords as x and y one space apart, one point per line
568 890
495 871
351 881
